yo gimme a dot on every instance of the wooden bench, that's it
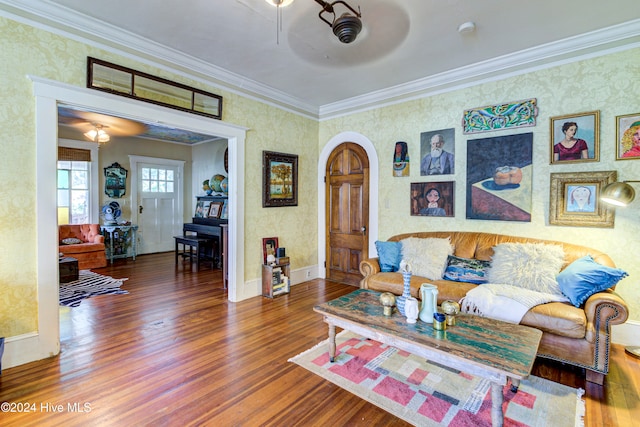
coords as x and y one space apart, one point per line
193 243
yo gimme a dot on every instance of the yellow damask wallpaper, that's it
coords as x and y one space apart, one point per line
608 83
26 50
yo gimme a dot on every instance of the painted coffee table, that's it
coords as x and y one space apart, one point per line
480 346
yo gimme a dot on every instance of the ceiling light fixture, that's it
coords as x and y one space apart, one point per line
618 193
98 134
347 26
279 4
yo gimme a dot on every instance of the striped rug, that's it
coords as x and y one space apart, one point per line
89 284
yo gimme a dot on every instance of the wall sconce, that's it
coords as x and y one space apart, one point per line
618 193
347 26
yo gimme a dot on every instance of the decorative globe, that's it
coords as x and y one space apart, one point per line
111 212
224 185
388 300
215 182
206 188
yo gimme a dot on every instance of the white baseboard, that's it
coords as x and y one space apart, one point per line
253 288
626 334
22 349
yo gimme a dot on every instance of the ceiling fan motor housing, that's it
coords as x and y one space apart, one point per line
347 27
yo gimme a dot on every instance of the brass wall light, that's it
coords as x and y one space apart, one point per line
618 193
347 26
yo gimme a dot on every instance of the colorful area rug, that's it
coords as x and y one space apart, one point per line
89 284
428 394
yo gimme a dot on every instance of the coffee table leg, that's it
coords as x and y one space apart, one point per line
332 342
497 416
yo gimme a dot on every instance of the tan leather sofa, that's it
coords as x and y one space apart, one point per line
578 336
91 252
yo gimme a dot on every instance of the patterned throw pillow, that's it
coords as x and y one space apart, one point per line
532 266
466 270
71 241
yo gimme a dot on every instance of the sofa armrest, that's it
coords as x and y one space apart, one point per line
604 309
368 268
98 238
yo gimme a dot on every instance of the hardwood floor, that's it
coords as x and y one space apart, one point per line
174 351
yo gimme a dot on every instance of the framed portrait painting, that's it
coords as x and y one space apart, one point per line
575 199
575 138
628 137
432 198
437 152
280 179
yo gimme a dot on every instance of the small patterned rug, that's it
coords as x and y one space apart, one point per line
428 394
89 284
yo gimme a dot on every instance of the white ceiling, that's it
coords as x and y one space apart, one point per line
407 47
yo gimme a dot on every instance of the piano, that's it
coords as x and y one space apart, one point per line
212 228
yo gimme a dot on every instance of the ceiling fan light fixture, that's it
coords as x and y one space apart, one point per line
279 3
98 135
347 27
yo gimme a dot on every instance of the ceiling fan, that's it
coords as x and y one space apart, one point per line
99 127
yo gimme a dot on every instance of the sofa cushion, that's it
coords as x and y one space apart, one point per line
585 277
532 266
427 257
558 318
466 270
389 255
393 282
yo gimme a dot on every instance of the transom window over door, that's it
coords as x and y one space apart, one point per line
157 180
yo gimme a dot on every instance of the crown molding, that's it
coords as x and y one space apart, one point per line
64 21
69 23
597 43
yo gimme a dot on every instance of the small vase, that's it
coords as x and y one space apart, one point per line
406 292
411 308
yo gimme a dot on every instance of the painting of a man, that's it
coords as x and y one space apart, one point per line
437 153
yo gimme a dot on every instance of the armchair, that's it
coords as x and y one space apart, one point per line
84 243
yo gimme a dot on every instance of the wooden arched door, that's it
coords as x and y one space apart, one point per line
347 212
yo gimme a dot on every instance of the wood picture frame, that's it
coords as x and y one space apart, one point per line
575 199
269 247
280 179
214 209
628 137
435 199
587 135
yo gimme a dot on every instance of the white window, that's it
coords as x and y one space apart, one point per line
74 192
157 180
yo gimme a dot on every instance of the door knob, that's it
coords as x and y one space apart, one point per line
364 230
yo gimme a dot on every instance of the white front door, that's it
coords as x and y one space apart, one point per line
159 184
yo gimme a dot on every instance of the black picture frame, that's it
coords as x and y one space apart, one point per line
280 179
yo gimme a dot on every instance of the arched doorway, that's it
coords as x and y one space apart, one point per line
347 212
365 143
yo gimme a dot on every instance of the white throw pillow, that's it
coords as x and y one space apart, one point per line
532 266
427 257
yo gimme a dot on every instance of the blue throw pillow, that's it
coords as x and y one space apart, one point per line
389 255
585 277
466 270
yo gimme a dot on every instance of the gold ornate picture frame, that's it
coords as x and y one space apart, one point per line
575 199
628 137
586 128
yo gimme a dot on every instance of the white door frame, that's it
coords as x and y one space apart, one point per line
365 143
45 341
178 164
